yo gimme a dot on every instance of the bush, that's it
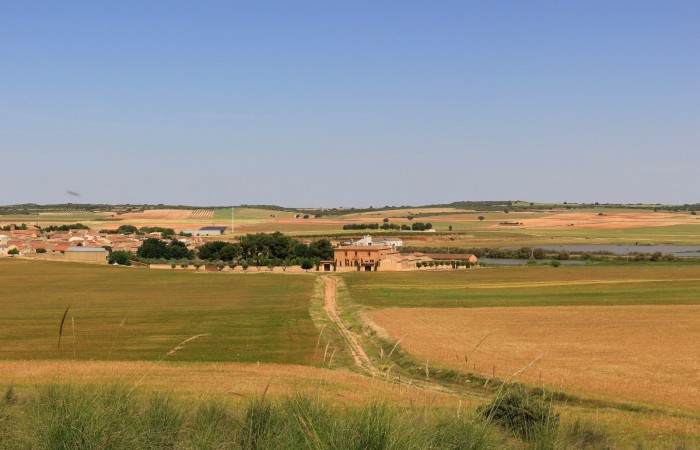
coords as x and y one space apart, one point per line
528 417
554 263
41 250
121 257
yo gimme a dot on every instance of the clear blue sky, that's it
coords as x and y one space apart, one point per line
349 103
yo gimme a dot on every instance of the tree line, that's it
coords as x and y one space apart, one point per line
416 226
261 249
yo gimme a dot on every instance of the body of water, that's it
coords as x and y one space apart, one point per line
681 251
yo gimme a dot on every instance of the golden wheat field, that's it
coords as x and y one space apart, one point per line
646 354
231 380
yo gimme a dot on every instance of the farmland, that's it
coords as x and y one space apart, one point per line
531 286
644 354
455 227
158 310
612 335
266 331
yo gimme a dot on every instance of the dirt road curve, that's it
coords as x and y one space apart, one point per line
331 309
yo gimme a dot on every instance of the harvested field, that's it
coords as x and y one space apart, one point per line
199 214
608 221
646 354
159 214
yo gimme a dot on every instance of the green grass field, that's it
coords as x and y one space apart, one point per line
529 286
251 317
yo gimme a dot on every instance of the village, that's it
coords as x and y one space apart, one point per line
86 245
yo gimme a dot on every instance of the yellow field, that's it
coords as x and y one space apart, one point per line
646 354
223 380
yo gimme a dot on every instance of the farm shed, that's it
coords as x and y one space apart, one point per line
86 254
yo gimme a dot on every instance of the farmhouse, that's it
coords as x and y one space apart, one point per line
360 257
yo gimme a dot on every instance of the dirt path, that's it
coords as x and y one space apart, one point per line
360 356
331 308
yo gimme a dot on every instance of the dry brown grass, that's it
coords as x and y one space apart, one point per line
226 380
645 354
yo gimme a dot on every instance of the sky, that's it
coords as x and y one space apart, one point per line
355 103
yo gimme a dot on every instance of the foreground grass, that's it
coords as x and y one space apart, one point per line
529 286
135 314
69 416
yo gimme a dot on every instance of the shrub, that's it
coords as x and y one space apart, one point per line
41 250
554 263
527 416
121 257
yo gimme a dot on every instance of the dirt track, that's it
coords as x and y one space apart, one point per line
360 356
331 309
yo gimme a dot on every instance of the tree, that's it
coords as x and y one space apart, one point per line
41 250
322 249
127 229
386 220
13 252
153 248
230 252
307 264
177 250
450 228
121 257
210 250
481 218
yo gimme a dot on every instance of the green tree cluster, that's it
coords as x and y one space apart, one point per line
73 226
153 248
267 249
121 257
420 226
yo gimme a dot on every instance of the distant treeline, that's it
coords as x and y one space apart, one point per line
416 226
495 205
72 226
539 253
130 229
17 227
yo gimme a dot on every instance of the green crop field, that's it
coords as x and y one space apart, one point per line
250 317
661 284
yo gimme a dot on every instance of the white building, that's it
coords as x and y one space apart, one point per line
384 242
